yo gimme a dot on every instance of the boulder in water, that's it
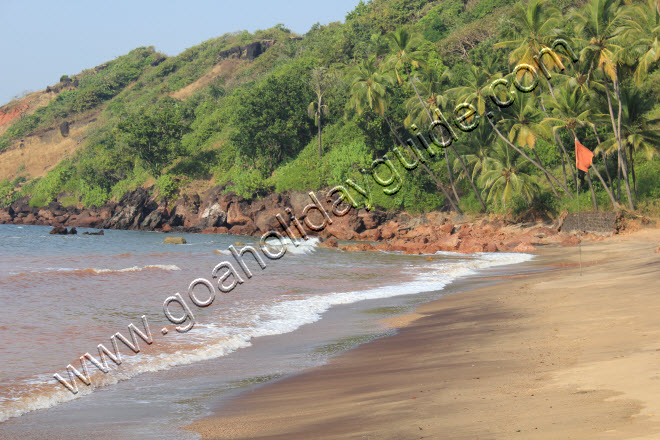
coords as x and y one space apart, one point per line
175 240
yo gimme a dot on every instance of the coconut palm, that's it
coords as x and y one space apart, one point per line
571 109
369 91
638 132
475 88
504 175
535 27
321 81
478 144
600 27
642 28
523 125
404 52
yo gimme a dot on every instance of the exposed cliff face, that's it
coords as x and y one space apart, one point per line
217 212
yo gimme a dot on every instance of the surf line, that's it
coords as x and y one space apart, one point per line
222 272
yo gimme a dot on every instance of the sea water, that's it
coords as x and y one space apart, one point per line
62 296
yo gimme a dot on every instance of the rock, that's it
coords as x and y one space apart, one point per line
370 235
389 230
571 240
212 216
88 220
447 228
524 247
216 230
174 240
330 243
429 258
73 231
448 244
266 220
59 230
157 61
248 229
235 215
491 247
657 251
94 233
64 129
239 243
371 220
152 221
363 247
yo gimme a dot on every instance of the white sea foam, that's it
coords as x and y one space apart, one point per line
300 247
275 318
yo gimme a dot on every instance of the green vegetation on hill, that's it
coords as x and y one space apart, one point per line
259 125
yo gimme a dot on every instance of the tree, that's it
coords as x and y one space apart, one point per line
321 81
536 25
404 51
523 125
600 26
642 28
638 132
154 136
269 121
504 175
369 91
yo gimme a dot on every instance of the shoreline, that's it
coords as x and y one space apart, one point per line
543 355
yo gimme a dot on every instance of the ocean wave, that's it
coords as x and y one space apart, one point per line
303 247
275 318
93 270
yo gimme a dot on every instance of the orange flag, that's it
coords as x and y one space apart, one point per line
583 156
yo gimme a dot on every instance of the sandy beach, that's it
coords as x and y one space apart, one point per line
548 355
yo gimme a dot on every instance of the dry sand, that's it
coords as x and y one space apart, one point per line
551 355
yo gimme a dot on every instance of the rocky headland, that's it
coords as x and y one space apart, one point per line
220 212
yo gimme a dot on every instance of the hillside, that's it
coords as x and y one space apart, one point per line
241 113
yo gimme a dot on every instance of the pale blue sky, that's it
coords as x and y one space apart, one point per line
42 40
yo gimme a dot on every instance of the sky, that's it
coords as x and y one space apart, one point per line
43 40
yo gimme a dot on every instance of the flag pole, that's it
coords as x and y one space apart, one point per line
577 183
579 228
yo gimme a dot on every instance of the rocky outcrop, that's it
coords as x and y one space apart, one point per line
219 211
249 52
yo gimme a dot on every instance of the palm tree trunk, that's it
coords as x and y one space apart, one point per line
438 184
617 134
559 142
593 194
609 193
602 153
538 159
632 169
533 162
469 176
319 127
449 171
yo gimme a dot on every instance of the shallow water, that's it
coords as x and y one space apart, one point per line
62 296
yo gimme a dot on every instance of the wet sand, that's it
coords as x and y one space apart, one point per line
548 355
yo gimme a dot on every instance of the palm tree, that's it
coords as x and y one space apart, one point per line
504 176
638 133
404 52
523 126
478 144
535 27
571 109
642 28
475 87
321 81
600 26
369 91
